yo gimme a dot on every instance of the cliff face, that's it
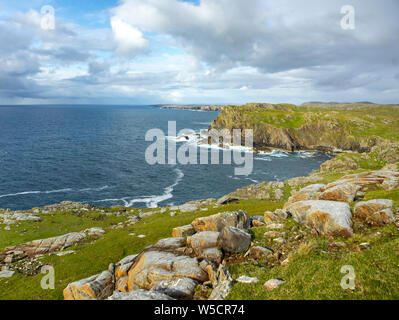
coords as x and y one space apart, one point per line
294 128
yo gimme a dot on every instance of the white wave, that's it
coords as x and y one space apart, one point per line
52 191
276 154
263 159
153 200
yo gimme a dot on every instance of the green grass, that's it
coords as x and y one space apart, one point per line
314 271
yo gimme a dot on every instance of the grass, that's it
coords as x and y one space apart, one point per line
314 271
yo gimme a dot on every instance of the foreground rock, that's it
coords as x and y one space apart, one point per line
326 217
100 286
140 295
237 219
150 268
377 212
233 240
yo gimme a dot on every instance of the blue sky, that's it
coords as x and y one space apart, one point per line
208 51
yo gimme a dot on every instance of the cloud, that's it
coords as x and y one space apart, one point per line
210 51
129 39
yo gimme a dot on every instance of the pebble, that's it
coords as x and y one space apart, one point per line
247 280
273 284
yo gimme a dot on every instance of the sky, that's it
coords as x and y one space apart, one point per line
139 52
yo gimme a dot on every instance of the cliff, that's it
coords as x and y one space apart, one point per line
349 127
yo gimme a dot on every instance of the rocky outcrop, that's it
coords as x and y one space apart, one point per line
45 246
326 217
238 219
100 286
377 212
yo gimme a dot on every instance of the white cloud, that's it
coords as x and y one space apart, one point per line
128 38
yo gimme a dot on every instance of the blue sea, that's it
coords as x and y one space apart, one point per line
96 154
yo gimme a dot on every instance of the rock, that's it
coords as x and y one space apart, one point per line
6 274
275 226
8 228
60 254
365 209
257 218
342 192
141 236
185 231
181 289
171 243
281 214
94 232
260 252
212 254
203 240
222 285
122 267
97 287
285 262
270 218
140 295
280 240
188 208
273 284
234 240
278 194
49 245
150 268
363 246
247 280
325 217
381 218
237 219
257 224
122 284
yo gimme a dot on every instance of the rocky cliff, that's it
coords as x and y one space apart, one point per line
358 128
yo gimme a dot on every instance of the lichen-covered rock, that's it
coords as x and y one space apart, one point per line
233 240
365 209
273 284
342 192
185 231
181 289
140 295
150 268
203 240
171 243
381 218
326 217
238 219
222 285
97 287
49 245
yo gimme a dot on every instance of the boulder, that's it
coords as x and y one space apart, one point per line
123 266
234 240
326 217
365 209
97 287
181 289
140 295
49 245
185 231
203 240
381 218
238 219
152 267
94 232
345 192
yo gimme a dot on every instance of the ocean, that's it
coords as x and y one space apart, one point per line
96 154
